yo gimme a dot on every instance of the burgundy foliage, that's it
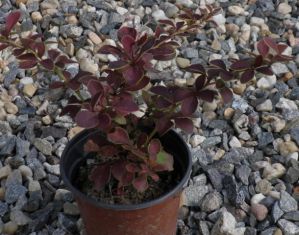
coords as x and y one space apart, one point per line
132 153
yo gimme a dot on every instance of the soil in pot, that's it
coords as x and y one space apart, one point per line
168 180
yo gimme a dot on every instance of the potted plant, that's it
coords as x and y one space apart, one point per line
128 168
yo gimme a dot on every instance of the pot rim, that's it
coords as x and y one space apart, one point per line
87 132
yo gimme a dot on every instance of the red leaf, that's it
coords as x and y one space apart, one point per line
195 68
119 136
143 82
17 51
206 95
154 147
27 64
87 119
179 25
164 52
104 121
226 75
94 87
107 49
100 175
126 31
218 63
128 42
132 167
282 58
118 64
48 64
258 61
262 48
72 110
140 183
226 94
74 85
241 64
118 169
189 106
91 146
11 21
148 44
265 70
247 76
167 22
126 106
65 60
185 124
55 85
133 74
27 56
40 47
281 48
163 125
159 90
271 43
200 82
3 46
53 54
108 151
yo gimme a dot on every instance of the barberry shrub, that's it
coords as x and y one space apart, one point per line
132 151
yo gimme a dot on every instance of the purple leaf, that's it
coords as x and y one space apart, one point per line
104 121
140 183
265 70
3 46
128 42
27 64
241 64
133 74
107 49
226 94
48 64
189 105
247 76
154 147
163 125
100 175
87 119
11 21
119 136
206 95
185 124
262 48
126 31
196 68
118 64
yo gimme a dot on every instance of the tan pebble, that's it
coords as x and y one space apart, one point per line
47 120
10 228
11 108
228 113
36 16
287 76
182 62
29 90
94 38
74 131
72 19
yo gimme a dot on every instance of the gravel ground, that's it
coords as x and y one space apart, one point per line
245 154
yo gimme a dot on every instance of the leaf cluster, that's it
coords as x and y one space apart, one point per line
133 155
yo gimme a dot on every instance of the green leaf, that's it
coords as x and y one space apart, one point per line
166 160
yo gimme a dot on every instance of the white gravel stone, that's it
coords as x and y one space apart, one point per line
284 8
266 106
266 82
236 10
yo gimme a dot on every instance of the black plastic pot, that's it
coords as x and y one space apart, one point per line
156 217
